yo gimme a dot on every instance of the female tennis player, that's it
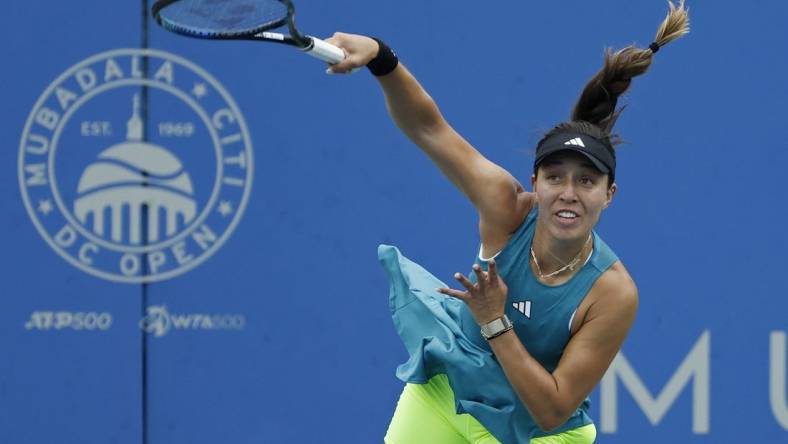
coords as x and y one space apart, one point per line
513 356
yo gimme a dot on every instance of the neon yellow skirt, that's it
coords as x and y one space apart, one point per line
425 415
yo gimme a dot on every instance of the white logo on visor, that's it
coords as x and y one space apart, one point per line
576 141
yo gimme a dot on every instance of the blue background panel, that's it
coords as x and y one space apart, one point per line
73 356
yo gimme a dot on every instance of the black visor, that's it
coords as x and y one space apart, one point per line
602 156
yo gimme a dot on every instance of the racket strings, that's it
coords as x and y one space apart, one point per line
216 18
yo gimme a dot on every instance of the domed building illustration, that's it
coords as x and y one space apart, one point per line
126 178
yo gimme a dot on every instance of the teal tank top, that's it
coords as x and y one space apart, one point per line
442 337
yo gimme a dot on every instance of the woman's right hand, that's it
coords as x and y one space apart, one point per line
359 50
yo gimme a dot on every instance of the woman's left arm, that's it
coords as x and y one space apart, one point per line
551 398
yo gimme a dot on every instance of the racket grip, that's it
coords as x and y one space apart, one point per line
325 51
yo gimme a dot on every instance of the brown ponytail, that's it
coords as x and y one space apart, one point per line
597 103
595 113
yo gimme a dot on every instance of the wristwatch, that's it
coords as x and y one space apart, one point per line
496 327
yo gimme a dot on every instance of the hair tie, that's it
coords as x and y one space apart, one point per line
654 47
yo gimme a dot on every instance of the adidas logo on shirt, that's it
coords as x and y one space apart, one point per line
576 141
523 307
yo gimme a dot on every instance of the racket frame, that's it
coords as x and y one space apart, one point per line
310 45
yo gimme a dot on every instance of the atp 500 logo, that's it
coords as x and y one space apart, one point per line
135 177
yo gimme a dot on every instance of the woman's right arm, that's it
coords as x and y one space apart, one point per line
500 199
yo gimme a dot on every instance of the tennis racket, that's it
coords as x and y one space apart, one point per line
241 20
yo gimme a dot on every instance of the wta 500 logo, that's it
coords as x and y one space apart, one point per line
158 321
135 177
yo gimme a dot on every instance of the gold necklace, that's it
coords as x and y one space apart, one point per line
570 266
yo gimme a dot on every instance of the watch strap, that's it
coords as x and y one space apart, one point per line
496 327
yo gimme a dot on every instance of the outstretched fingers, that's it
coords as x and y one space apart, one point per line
484 279
464 281
481 276
461 295
492 272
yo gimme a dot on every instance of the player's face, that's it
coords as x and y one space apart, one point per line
571 193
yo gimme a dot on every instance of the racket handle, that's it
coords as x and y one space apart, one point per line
325 51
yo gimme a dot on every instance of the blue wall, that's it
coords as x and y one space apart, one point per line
276 329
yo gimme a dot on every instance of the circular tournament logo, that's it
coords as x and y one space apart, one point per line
135 165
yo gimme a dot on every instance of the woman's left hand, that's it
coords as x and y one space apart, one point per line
486 298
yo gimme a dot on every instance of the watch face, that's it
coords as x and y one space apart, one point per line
496 327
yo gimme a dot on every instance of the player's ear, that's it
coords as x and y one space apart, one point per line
611 191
